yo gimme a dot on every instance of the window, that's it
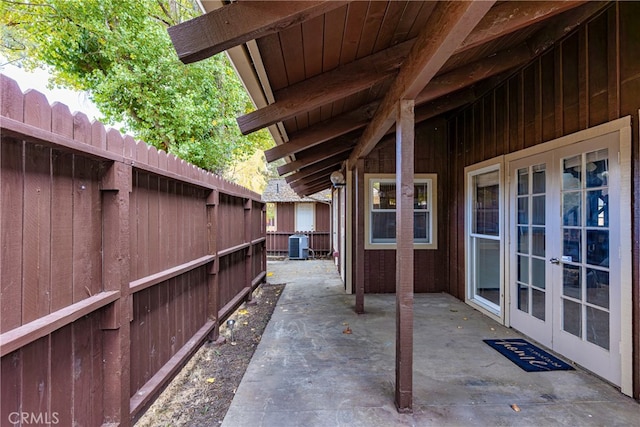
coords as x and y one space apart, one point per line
271 217
484 246
380 221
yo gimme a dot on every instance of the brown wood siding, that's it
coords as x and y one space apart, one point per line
323 217
591 77
117 262
319 240
431 268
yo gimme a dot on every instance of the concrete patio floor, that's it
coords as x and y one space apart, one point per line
307 372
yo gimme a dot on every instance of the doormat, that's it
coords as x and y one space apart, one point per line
528 356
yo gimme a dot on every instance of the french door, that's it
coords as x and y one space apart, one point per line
564 241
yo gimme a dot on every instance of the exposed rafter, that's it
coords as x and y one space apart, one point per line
325 164
517 14
337 146
439 86
368 71
327 87
450 23
240 22
323 131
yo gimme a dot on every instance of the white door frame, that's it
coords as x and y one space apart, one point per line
623 127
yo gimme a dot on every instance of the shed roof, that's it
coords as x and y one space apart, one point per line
325 76
278 190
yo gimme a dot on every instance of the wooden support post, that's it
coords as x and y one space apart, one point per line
116 188
213 201
404 254
359 235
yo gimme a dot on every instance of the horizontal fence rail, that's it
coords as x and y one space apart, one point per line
118 261
278 242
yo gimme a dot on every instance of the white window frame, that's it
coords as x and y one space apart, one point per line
431 180
495 311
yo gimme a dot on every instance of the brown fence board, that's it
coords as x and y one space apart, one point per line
82 373
36 230
11 183
62 375
35 384
87 240
61 230
11 384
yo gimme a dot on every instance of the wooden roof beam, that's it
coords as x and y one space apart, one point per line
327 163
323 131
319 183
307 191
449 24
518 14
337 146
240 22
327 87
440 85
366 72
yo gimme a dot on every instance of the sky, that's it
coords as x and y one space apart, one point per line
38 80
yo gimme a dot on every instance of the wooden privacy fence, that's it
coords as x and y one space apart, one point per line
117 262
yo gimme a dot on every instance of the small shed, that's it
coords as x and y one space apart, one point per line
288 214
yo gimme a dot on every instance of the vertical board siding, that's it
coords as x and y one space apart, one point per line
430 271
55 198
589 78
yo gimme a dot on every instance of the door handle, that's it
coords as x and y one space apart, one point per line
554 260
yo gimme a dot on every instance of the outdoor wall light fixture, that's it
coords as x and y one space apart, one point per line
231 324
337 179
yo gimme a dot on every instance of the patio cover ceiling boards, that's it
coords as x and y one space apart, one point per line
326 66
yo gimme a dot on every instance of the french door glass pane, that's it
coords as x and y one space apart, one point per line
523 210
523 269
572 319
597 167
537 210
538 241
523 240
571 209
598 287
539 179
523 298
598 327
523 181
571 283
538 303
597 208
571 176
572 244
598 247
538 267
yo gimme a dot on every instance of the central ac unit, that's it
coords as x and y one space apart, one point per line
298 246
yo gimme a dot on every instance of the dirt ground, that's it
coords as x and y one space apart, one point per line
201 393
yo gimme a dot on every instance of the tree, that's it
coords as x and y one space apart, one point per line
120 52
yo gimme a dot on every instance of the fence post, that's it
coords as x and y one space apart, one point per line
248 261
116 188
213 201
